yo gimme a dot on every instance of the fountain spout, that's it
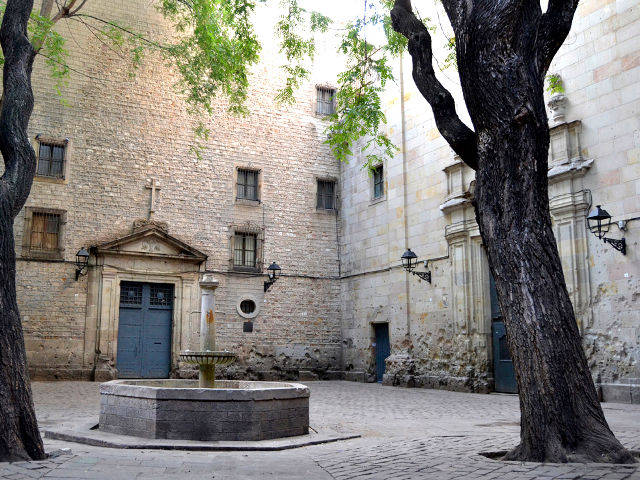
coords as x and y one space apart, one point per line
207 357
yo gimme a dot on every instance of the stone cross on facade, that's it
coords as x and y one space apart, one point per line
154 187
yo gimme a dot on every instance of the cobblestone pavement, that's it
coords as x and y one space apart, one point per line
406 434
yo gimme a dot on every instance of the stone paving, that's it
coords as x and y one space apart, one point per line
406 434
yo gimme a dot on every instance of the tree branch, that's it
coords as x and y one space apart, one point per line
460 137
553 29
17 105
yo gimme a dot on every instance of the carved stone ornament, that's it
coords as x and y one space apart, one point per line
557 108
144 223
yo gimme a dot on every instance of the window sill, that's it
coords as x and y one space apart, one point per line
43 257
246 201
246 269
375 201
325 211
50 180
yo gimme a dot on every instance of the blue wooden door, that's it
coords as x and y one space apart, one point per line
382 348
144 330
503 372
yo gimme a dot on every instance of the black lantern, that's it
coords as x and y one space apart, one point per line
409 263
599 223
409 260
82 260
273 272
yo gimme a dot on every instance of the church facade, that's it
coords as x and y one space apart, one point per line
116 177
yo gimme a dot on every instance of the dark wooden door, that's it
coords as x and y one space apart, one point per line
382 348
144 330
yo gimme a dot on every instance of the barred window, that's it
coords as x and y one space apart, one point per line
378 182
326 101
51 160
44 234
244 250
326 195
247 184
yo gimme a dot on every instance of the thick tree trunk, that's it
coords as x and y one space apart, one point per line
503 51
19 435
561 417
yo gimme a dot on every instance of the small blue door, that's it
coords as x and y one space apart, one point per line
382 348
144 330
503 373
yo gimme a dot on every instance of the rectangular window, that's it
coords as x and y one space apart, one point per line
378 182
51 160
326 195
326 101
44 234
247 184
244 250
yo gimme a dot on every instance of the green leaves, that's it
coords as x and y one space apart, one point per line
295 30
554 84
214 53
359 117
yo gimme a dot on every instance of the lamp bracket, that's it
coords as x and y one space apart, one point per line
620 245
268 284
423 275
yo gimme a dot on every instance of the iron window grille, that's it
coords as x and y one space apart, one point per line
378 182
326 101
326 195
247 184
51 158
44 234
244 251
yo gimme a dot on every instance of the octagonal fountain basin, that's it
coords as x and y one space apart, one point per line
179 409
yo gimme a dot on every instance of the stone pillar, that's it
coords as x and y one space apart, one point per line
208 286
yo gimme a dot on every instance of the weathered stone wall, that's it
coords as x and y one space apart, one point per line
123 131
445 338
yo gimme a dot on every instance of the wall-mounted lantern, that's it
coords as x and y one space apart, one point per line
410 261
599 223
273 271
82 260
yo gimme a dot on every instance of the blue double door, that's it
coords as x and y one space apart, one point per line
144 330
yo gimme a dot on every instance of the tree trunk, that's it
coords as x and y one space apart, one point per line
503 51
19 435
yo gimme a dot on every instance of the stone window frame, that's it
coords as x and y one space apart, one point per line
251 229
246 201
336 193
66 142
316 103
372 185
254 299
57 254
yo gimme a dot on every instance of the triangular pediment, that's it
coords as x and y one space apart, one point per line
151 241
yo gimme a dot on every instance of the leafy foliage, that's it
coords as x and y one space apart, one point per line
359 117
297 48
554 84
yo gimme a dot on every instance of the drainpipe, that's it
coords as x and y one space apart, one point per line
405 195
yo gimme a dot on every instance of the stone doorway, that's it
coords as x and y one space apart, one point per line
144 333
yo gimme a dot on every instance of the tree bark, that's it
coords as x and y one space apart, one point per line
19 435
502 60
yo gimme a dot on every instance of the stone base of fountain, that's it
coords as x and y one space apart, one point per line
178 409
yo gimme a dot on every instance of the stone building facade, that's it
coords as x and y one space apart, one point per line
151 213
157 219
441 333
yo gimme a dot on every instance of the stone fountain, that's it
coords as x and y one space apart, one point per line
207 358
204 409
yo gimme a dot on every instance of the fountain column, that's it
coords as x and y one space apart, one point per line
208 286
